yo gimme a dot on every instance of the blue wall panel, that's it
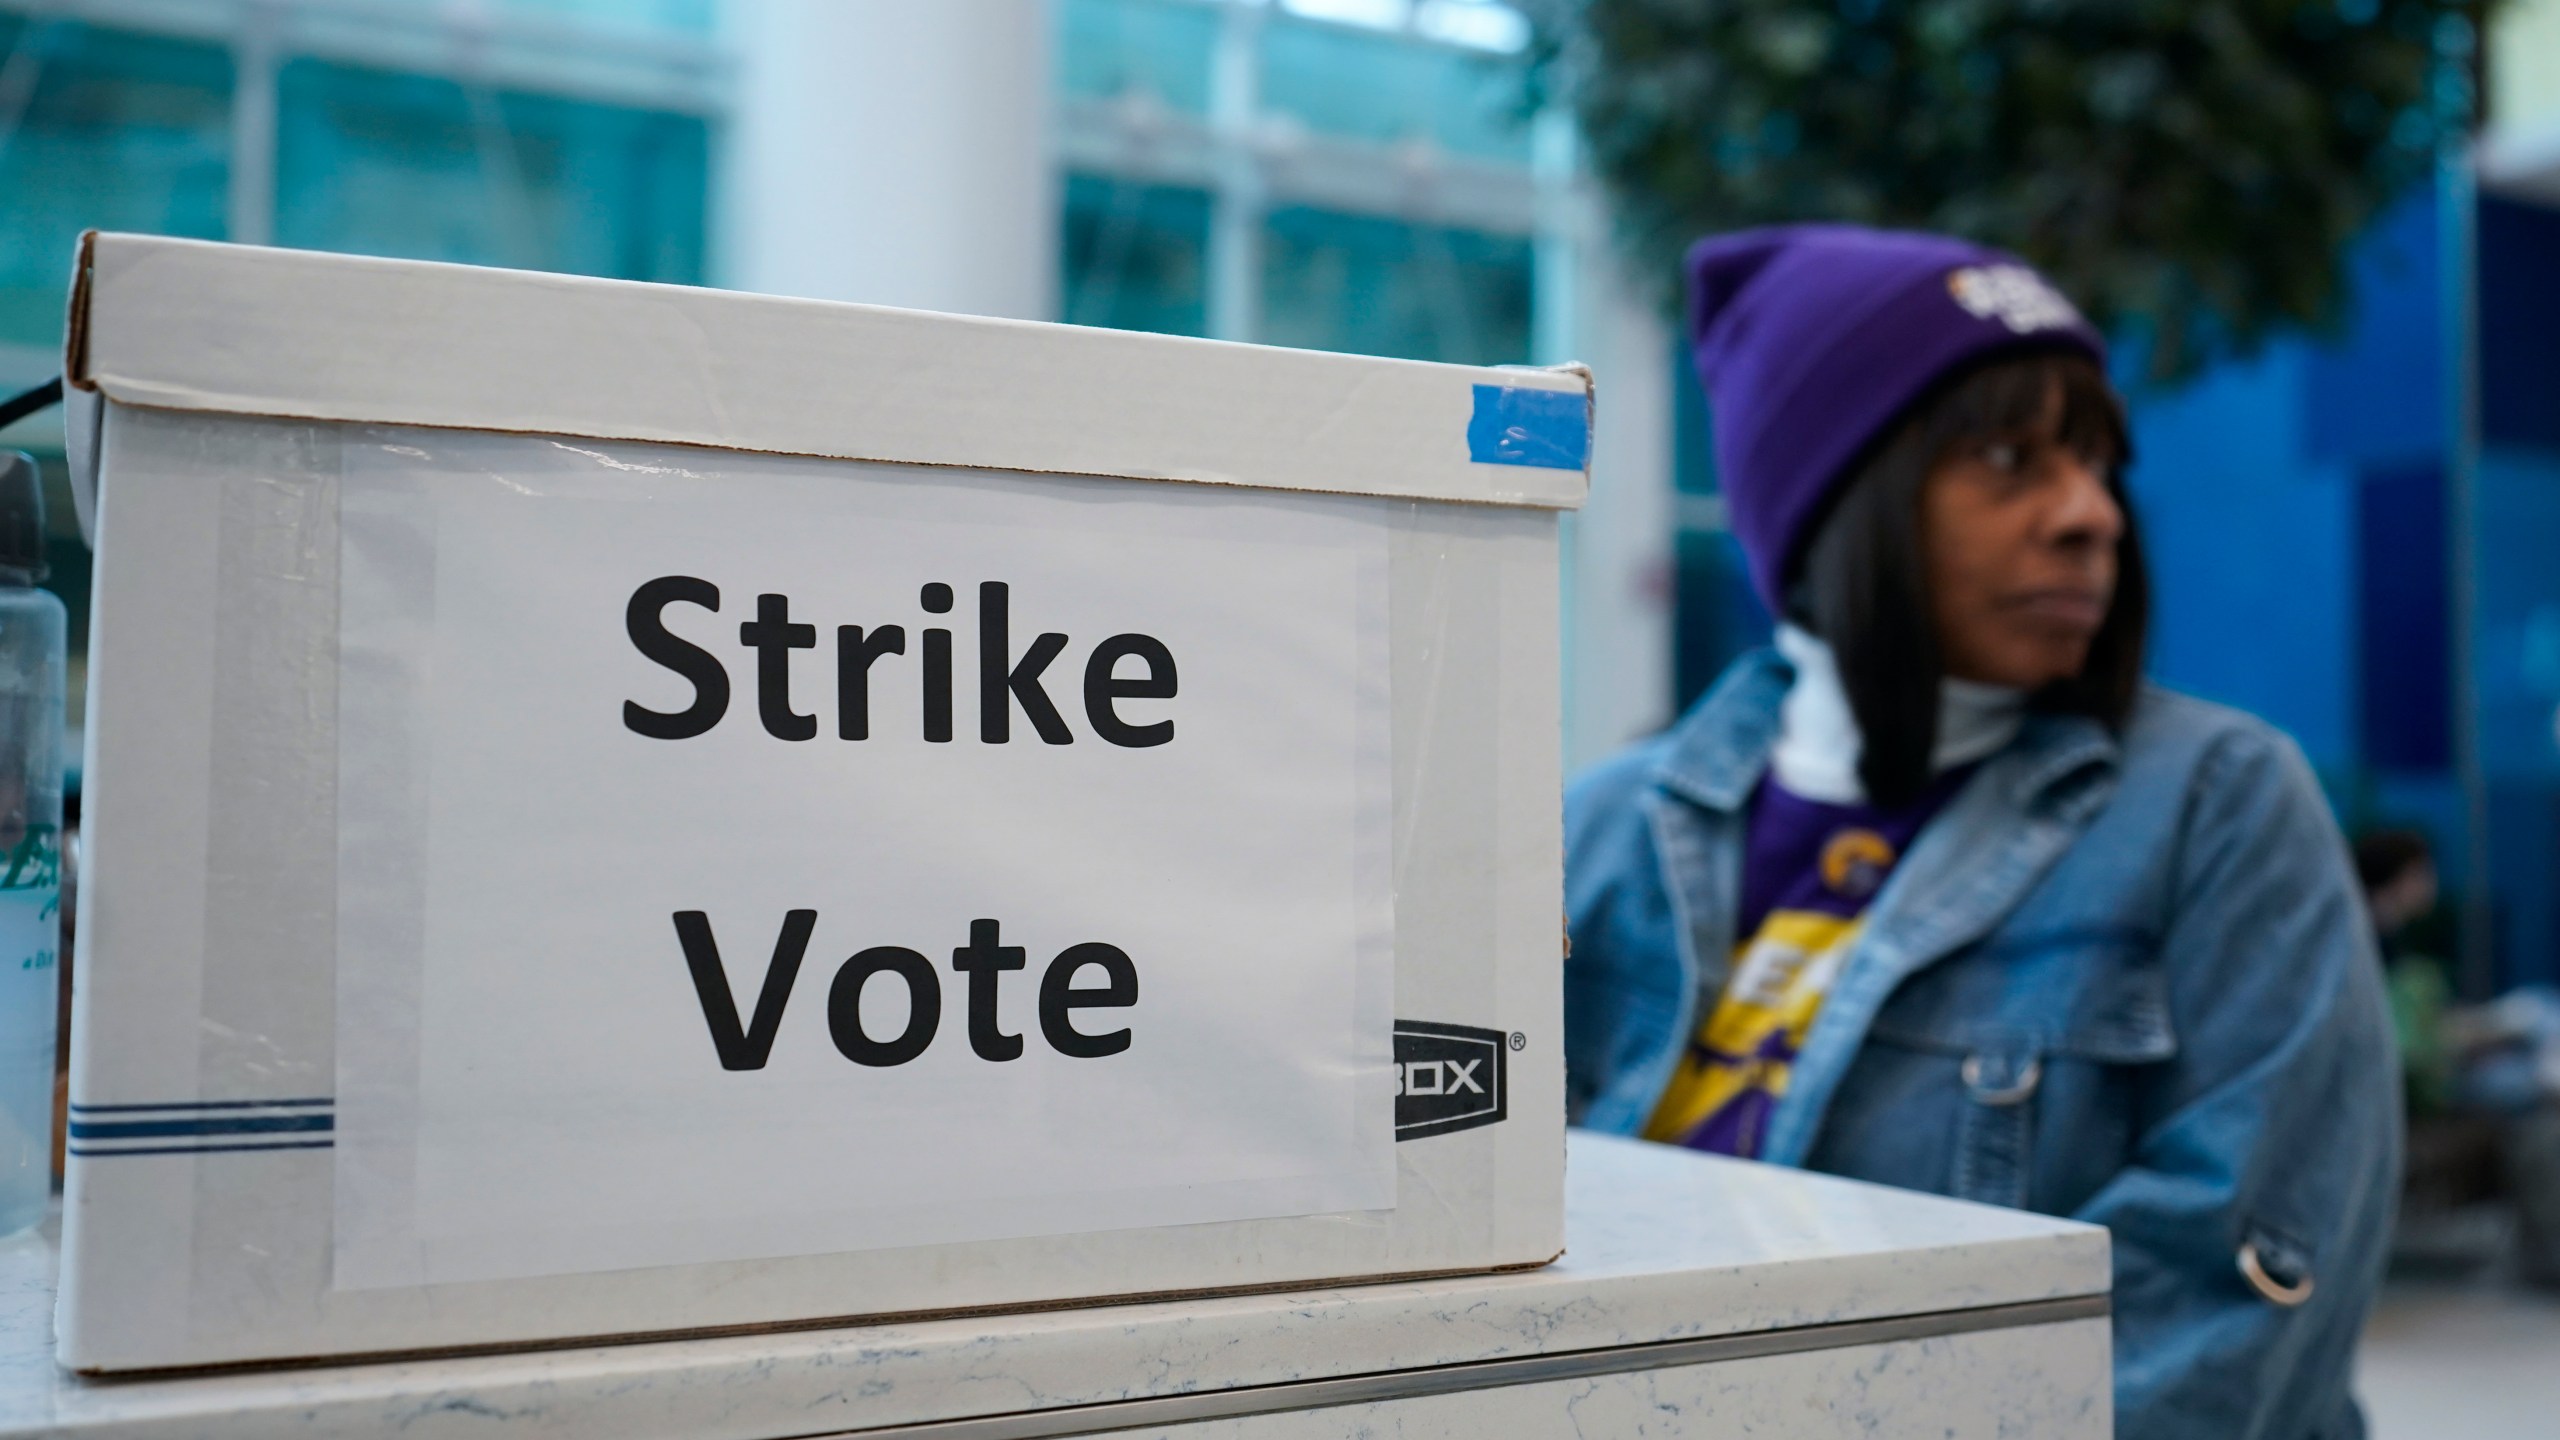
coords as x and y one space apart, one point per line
2524 861
2251 551
2519 323
2403 620
2517 581
2374 394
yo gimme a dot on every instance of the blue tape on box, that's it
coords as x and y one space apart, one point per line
1515 425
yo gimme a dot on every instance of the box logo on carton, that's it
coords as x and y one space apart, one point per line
1448 1078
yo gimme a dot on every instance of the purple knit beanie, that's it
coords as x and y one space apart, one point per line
1812 339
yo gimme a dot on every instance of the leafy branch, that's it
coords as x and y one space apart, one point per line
2191 171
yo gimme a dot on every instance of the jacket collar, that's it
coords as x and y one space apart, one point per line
1720 749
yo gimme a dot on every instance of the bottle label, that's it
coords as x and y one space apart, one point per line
30 944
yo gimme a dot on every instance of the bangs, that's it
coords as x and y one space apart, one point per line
2015 398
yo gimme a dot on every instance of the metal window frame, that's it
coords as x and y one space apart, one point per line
487 52
1247 159
1250 161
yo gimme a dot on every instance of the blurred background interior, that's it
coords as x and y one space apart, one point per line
2354 520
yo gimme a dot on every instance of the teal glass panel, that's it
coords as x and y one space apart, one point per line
1110 48
1389 89
423 168
670 18
1332 281
1715 613
121 132
1136 255
1693 434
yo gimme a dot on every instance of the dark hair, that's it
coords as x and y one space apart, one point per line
2383 856
1862 581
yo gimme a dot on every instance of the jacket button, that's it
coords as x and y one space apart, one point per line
1987 1090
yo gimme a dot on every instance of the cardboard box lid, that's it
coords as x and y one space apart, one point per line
197 325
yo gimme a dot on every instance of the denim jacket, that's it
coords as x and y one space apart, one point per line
2125 979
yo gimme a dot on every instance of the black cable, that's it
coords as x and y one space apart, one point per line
19 407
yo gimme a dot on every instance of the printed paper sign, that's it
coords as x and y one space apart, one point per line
802 856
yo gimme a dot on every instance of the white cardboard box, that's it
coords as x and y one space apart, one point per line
614 809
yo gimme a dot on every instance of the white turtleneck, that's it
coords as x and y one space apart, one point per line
1818 742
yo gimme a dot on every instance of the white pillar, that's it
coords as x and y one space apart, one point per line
250 205
1617 548
1238 202
1618 587
892 153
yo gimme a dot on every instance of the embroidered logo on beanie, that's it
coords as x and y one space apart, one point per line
2013 295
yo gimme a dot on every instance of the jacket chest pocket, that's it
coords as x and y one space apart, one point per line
2039 1050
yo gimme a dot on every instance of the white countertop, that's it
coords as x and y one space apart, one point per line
1665 1245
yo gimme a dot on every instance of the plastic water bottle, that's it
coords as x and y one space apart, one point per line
31 644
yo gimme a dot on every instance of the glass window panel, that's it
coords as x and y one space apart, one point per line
1715 613
1332 281
693 18
1715 616
1110 48
1693 452
1481 24
1136 255
1389 88
425 168
121 132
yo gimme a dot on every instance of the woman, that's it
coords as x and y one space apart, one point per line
1940 894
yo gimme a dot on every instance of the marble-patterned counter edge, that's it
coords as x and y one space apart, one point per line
1666 1245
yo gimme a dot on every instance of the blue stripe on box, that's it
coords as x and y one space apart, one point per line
79 1109
206 1149
223 1125
1516 425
